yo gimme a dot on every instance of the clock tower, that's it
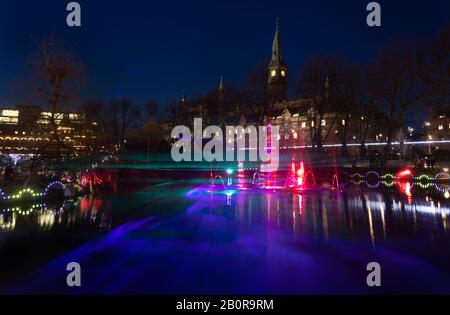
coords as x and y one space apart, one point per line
278 75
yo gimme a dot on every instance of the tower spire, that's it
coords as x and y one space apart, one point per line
221 84
277 78
277 51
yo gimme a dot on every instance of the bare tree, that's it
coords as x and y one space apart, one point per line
434 70
317 87
364 123
173 113
123 114
392 80
154 135
255 89
94 126
56 76
152 110
345 94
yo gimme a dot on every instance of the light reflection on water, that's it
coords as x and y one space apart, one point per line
349 214
87 210
254 241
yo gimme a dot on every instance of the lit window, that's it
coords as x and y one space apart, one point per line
47 116
9 120
283 73
10 113
273 73
441 127
10 117
74 116
304 124
324 122
427 123
343 122
295 135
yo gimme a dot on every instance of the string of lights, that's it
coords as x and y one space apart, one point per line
30 192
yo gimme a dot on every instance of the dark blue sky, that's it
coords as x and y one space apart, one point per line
155 49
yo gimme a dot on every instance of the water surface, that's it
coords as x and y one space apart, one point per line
178 237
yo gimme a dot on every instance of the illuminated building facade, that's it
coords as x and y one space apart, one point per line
438 125
295 117
28 129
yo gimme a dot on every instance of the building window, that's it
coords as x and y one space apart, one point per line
304 124
9 120
324 122
9 117
74 116
10 113
46 118
273 73
441 127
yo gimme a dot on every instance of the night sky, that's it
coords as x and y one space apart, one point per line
147 49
